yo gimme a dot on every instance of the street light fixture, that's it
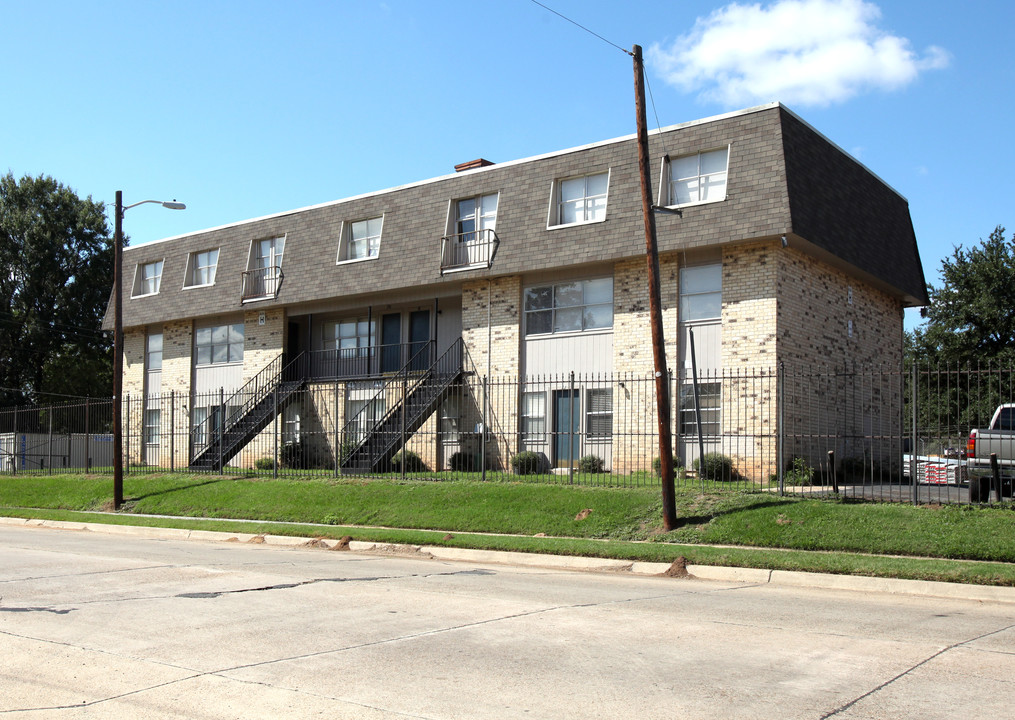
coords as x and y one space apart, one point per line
118 338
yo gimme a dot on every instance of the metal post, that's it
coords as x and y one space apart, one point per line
123 466
570 431
697 409
831 471
222 426
172 429
482 436
49 459
274 434
405 386
912 446
781 430
14 446
88 440
334 421
995 476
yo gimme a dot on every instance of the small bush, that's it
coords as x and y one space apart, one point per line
346 449
413 462
527 463
463 462
264 463
715 466
797 472
303 455
591 464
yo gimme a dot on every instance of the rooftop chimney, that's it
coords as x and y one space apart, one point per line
472 164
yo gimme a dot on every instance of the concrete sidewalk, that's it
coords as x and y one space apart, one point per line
754 576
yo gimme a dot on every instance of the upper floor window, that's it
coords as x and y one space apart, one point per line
475 214
147 279
218 344
580 199
360 240
699 178
700 292
569 307
201 268
264 273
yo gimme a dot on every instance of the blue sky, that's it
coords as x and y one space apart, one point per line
243 109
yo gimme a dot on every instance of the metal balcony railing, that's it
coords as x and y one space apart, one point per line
468 250
262 283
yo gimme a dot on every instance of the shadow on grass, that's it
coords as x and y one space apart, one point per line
189 486
704 518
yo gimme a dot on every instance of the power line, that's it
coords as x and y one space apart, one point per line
590 32
32 392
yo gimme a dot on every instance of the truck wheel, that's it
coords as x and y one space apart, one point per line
979 489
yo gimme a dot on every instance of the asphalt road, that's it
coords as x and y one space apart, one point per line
115 626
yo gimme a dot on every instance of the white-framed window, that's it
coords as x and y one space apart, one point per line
450 420
264 267
576 306
579 200
291 418
698 178
147 279
201 268
475 214
152 419
710 409
361 415
218 344
361 239
533 418
700 292
352 337
599 414
153 351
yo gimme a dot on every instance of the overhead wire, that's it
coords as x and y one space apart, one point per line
577 24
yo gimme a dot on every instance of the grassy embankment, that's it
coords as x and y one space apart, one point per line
960 544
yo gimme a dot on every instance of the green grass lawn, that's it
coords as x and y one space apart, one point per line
762 529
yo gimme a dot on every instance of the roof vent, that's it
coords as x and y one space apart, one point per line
472 165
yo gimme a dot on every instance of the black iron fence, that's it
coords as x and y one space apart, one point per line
891 434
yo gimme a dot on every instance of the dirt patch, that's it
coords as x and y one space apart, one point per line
449 536
316 543
583 514
256 540
343 543
232 539
678 568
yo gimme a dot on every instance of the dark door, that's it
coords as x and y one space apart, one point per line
391 338
419 336
566 427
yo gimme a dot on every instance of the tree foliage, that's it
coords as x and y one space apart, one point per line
56 263
970 318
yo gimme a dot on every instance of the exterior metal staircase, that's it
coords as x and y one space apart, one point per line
421 393
263 398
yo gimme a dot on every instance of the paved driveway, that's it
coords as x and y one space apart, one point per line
95 625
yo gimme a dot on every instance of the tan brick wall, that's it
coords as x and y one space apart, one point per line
632 328
500 301
133 362
262 343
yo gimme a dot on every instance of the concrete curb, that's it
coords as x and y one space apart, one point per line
755 576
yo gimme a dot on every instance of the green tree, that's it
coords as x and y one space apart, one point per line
970 318
56 265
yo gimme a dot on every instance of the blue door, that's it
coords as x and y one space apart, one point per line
566 427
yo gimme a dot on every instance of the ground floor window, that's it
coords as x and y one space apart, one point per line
599 414
533 418
360 416
450 420
291 423
710 409
152 419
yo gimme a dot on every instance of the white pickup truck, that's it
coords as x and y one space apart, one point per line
997 440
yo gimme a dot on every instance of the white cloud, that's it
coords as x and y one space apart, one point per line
806 52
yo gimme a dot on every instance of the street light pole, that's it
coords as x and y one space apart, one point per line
118 337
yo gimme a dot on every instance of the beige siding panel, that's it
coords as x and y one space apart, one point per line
584 353
707 349
211 378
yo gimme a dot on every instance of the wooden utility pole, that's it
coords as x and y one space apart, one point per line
655 302
118 353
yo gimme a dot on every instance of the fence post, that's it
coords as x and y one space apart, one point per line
780 428
995 476
482 427
405 410
570 430
88 440
913 466
172 430
126 435
222 427
49 459
334 421
831 471
14 444
274 434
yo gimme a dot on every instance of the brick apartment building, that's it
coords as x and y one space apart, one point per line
788 251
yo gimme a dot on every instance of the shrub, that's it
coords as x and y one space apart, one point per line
302 455
715 466
797 472
463 462
678 467
346 449
413 462
591 464
264 463
527 463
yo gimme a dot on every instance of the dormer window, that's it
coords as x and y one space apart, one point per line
360 240
699 178
147 279
578 200
264 269
201 268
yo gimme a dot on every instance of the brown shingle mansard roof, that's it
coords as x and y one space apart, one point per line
785 178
